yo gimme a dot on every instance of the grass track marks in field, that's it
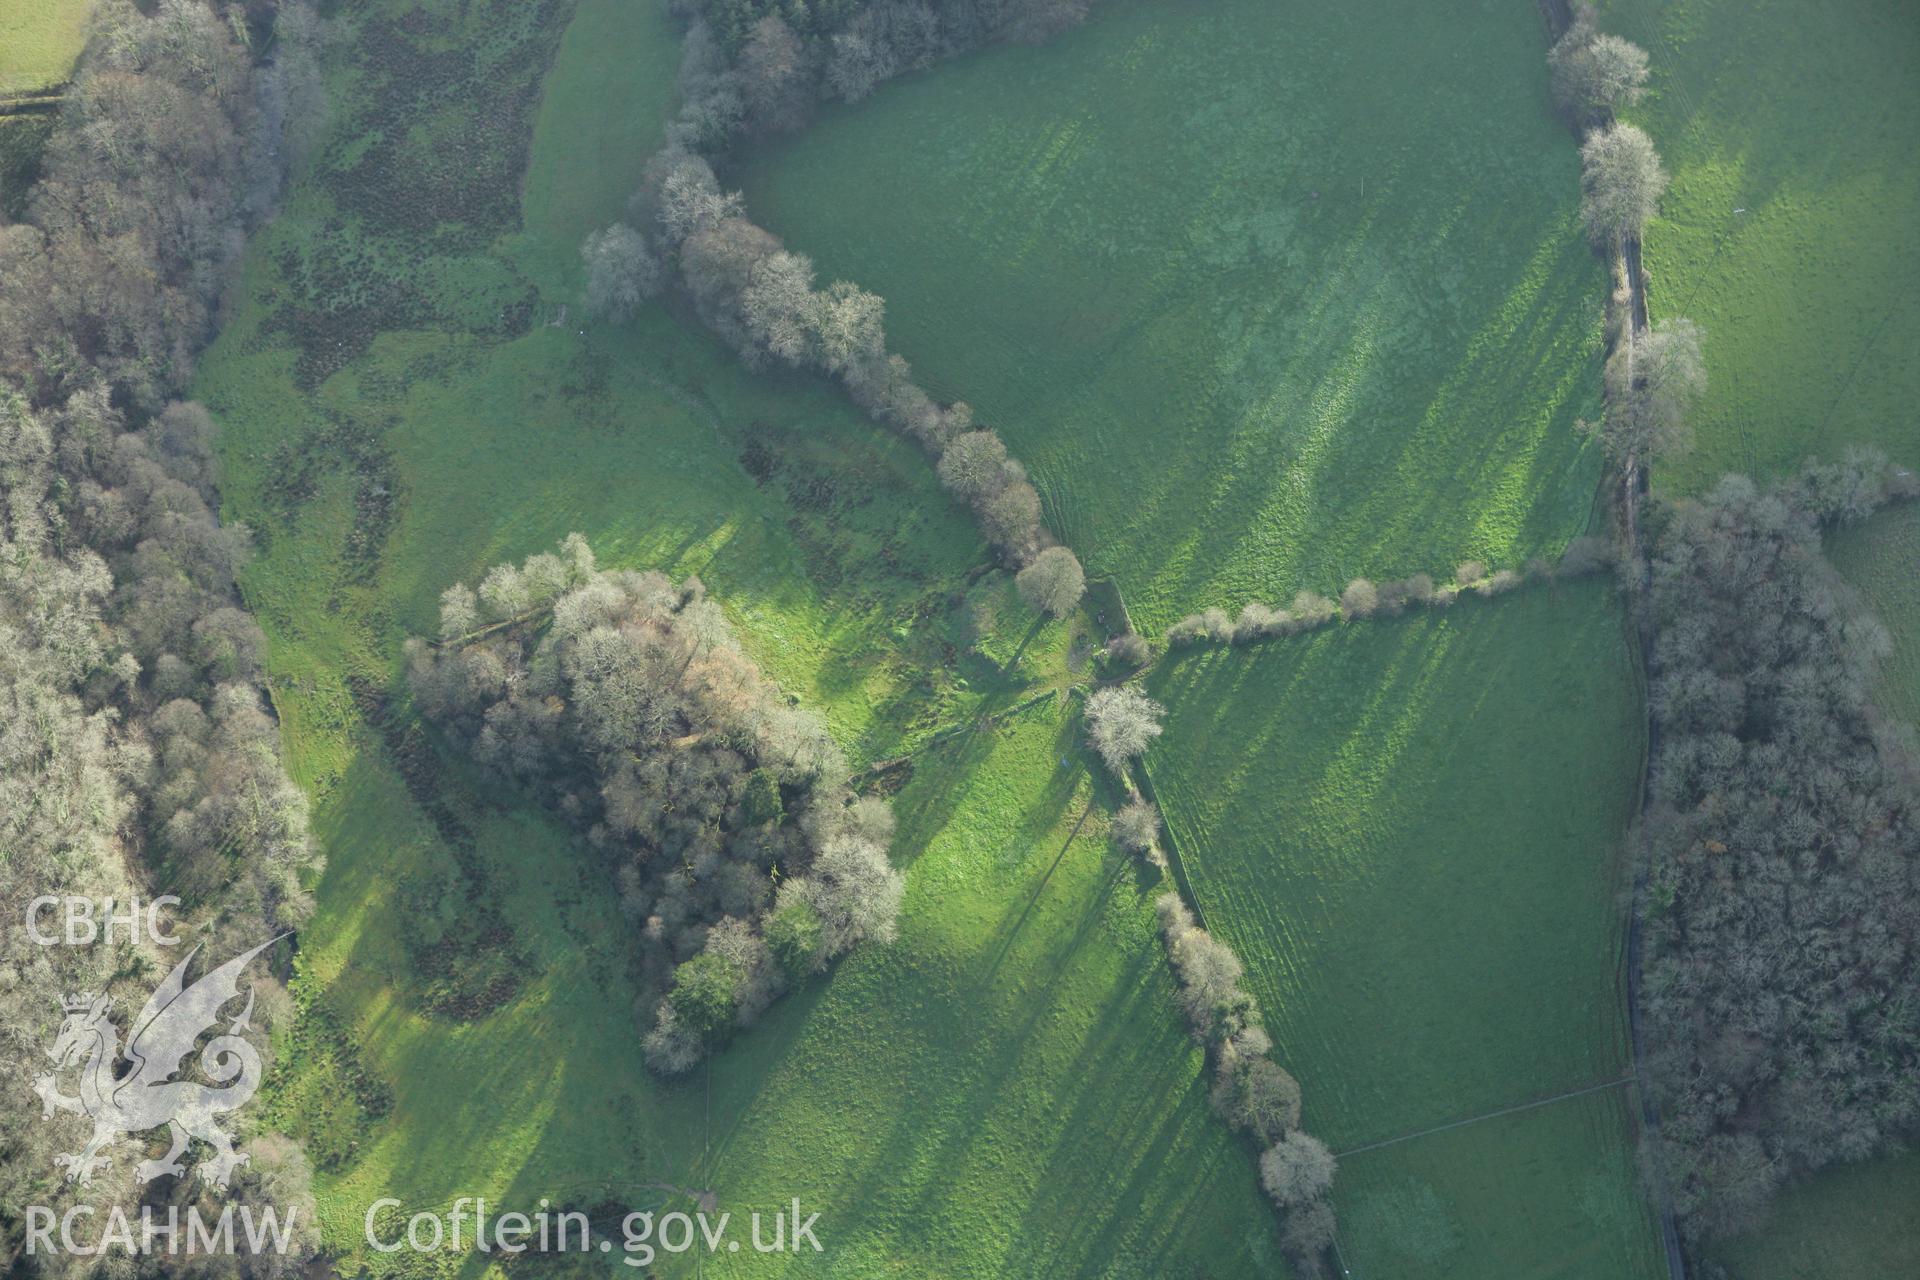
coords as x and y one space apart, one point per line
1409 832
1232 367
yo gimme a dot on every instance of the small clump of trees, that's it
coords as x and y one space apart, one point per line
1251 1092
622 700
1783 856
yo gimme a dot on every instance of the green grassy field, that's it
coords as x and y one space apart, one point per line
1806 114
1007 1090
1855 1220
1410 833
1878 558
1267 295
39 39
1549 1193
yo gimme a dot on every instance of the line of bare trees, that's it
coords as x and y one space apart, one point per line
1652 376
1251 1092
138 755
1254 1094
1363 598
747 72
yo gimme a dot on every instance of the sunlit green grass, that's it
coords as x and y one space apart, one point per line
1411 833
39 40
1267 295
1805 114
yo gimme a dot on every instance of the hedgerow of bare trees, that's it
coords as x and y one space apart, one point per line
1783 917
752 68
138 755
1362 598
1251 1092
621 699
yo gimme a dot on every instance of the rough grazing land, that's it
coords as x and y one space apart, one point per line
1008 1090
1805 113
1266 294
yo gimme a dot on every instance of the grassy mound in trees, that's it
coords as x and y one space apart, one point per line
1006 1088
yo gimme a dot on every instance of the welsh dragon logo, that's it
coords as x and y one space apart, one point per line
145 1097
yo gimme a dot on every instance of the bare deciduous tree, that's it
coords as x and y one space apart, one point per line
1136 828
1121 724
1621 181
621 272
1652 381
1595 73
1297 1169
1053 583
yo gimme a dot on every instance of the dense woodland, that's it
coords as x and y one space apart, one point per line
138 753
1783 959
622 700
